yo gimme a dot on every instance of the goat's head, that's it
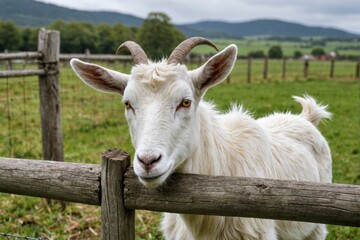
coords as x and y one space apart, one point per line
161 101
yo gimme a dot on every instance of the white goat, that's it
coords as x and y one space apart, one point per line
174 130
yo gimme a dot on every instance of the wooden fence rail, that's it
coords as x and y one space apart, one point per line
72 182
96 57
24 73
20 55
337 204
116 188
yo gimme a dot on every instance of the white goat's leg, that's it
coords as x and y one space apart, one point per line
173 228
271 235
319 233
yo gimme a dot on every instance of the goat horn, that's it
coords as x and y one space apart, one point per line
136 51
182 50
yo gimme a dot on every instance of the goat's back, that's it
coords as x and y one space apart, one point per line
299 150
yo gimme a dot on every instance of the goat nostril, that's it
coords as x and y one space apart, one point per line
140 160
156 160
148 160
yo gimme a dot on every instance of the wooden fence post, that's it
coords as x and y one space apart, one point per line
283 75
200 60
228 79
249 70
117 222
306 68
266 65
52 139
357 70
332 66
8 63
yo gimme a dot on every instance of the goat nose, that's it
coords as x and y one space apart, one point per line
148 160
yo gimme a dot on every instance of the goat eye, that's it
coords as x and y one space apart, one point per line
186 103
127 104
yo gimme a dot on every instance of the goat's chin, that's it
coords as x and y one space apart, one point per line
155 182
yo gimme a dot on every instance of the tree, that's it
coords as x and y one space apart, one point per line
122 33
158 36
10 37
275 52
317 52
110 37
76 37
29 36
256 54
297 54
106 42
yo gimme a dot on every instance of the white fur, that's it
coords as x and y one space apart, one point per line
198 139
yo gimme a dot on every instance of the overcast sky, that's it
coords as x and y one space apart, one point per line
343 14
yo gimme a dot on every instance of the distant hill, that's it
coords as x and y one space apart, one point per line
33 13
265 27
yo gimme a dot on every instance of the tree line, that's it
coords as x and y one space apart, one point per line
157 36
276 52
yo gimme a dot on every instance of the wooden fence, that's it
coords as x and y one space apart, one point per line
47 58
283 73
250 73
115 187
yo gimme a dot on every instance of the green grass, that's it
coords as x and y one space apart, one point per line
93 122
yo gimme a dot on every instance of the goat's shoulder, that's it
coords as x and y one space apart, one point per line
239 121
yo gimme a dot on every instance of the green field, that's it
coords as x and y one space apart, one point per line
252 44
93 122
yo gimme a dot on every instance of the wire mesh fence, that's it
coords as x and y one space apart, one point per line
19 115
83 111
10 236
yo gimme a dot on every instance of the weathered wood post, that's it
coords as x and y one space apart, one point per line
283 75
228 79
117 222
266 66
249 70
357 70
200 60
306 68
332 67
52 138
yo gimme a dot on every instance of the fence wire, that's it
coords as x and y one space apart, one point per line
12 236
19 114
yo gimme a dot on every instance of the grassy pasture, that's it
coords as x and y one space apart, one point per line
93 122
294 70
250 44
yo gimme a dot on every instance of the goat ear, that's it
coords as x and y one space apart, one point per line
100 78
215 70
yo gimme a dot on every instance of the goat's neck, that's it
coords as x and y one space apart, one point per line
212 142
